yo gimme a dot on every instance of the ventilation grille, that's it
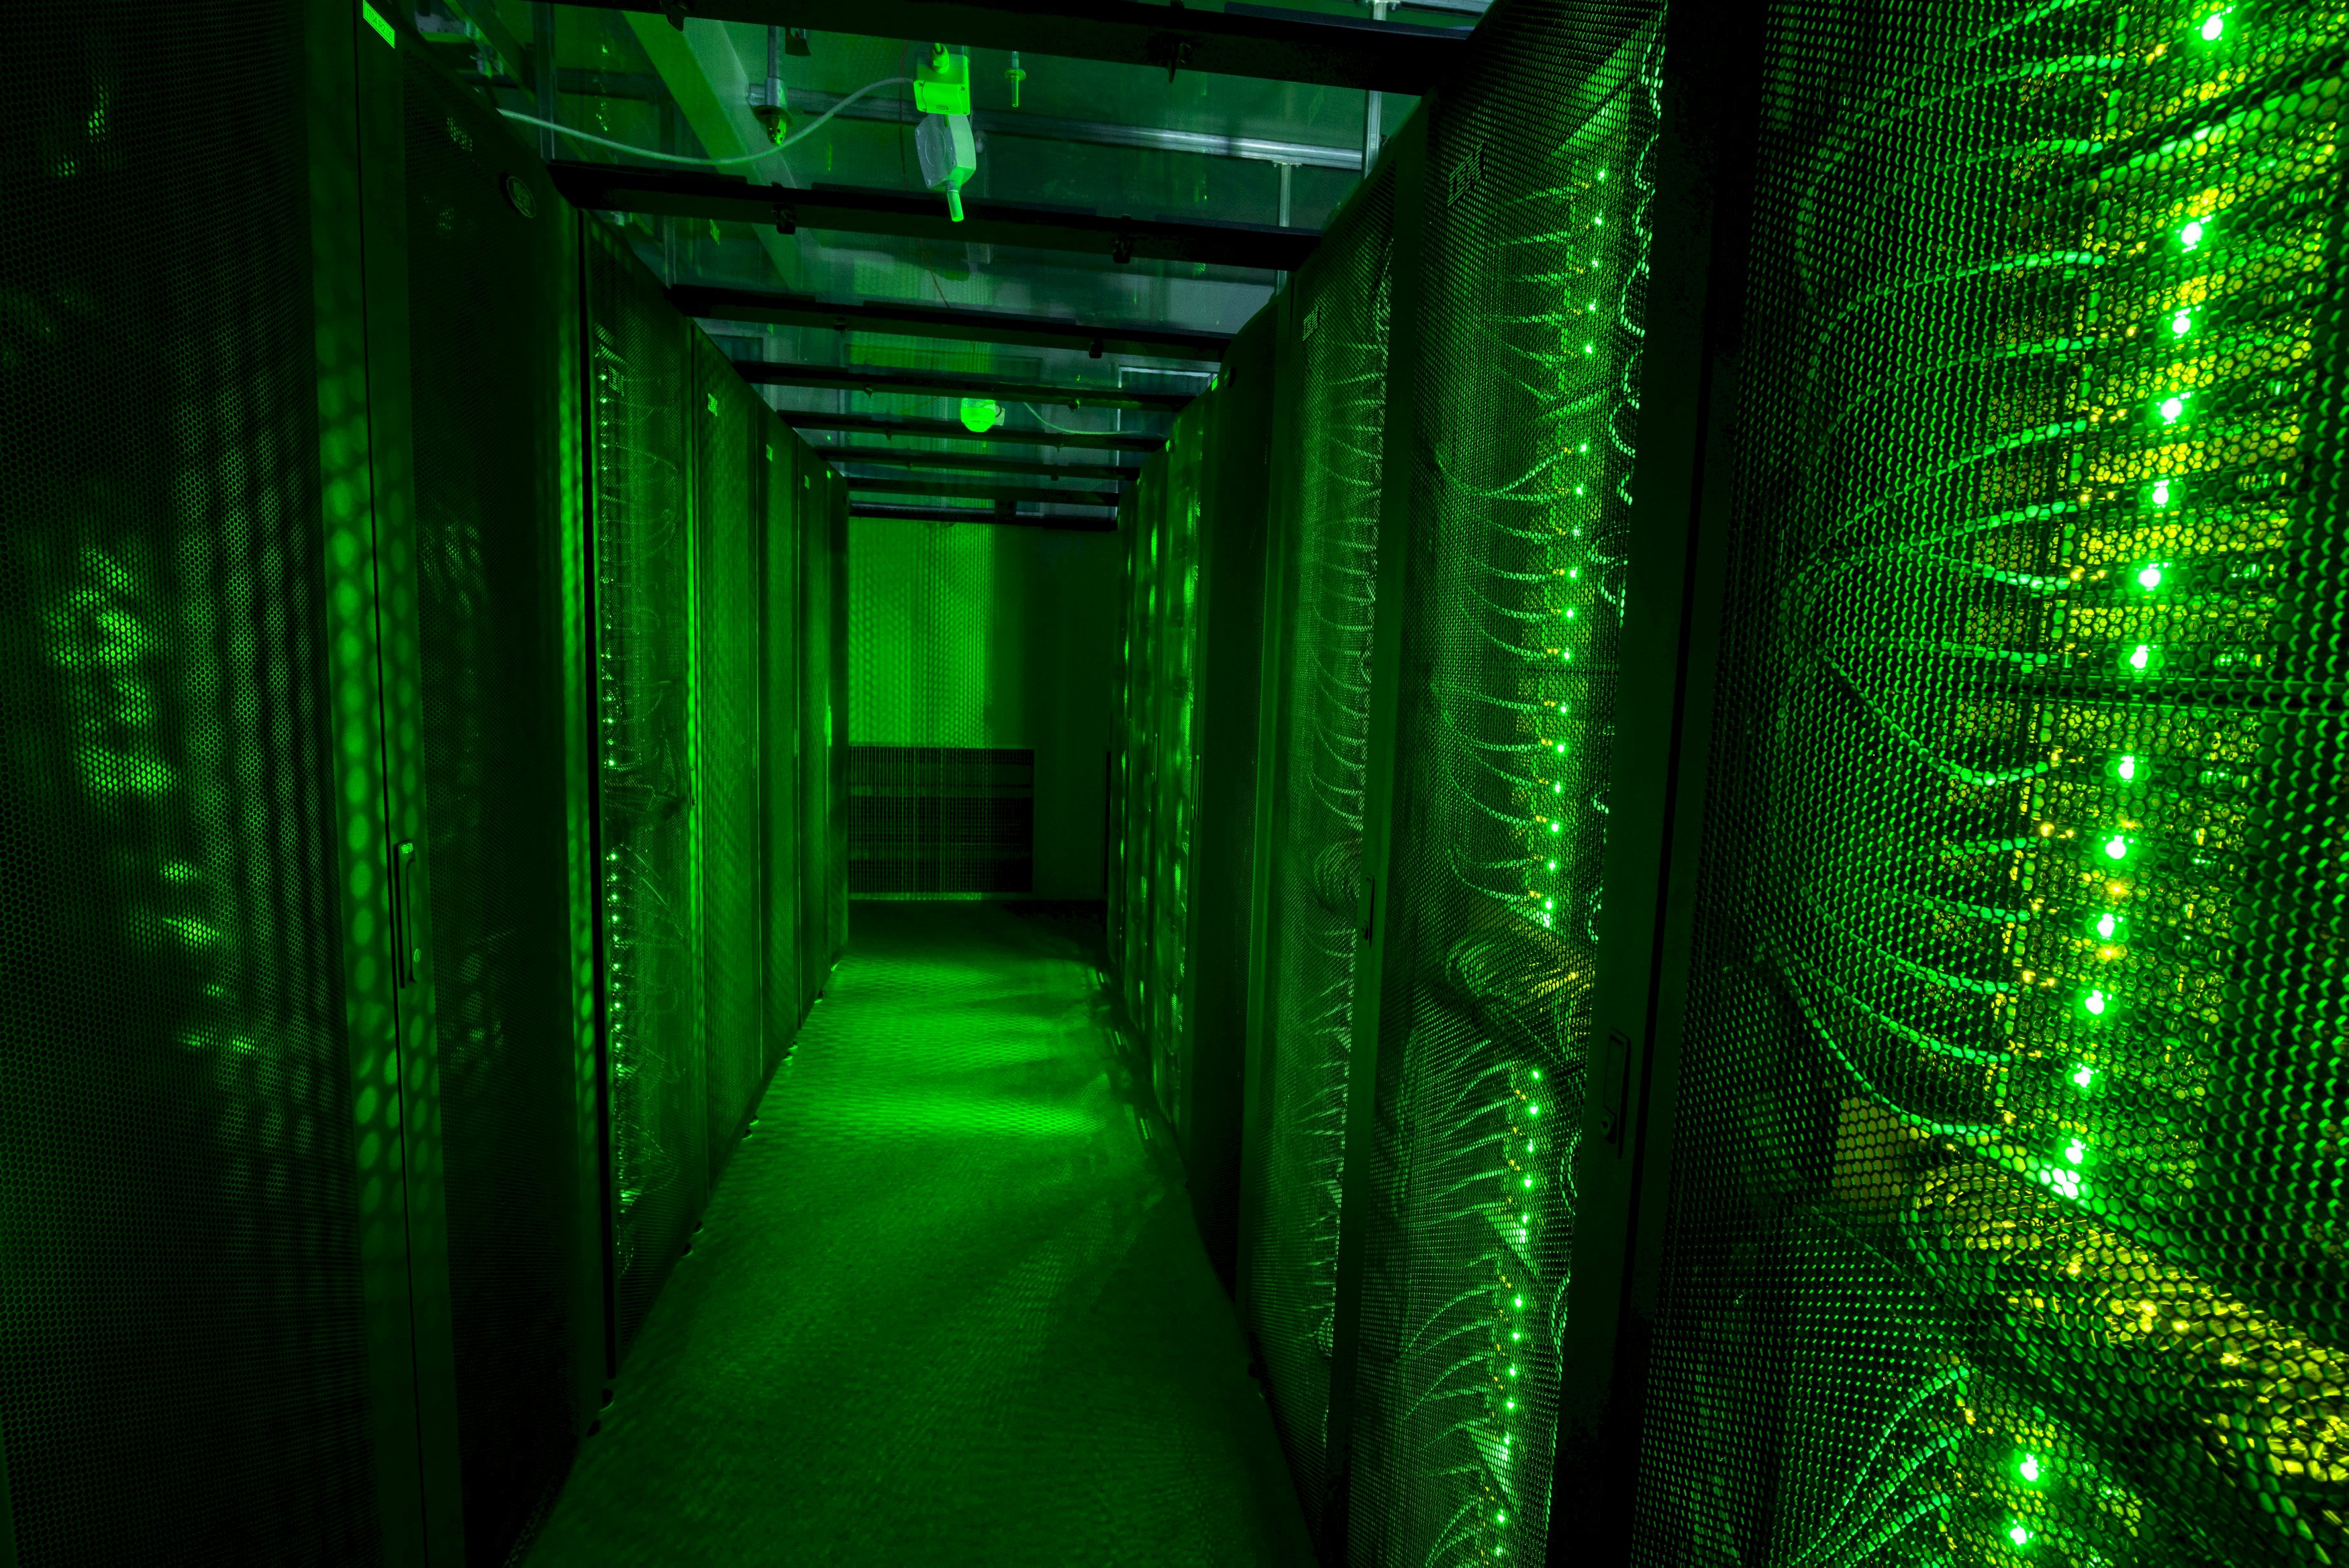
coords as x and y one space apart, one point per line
2007 1225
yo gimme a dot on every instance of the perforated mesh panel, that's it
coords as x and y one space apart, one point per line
730 428
181 1360
1536 263
782 660
819 722
639 376
2006 1225
1327 493
489 358
1158 798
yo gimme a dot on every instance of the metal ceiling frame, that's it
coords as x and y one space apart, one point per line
1067 522
935 384
884 457
917 215
951 430
962 323
1262 42
1011 493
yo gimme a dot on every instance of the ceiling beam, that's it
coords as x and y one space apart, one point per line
935 384
951 430
962 324
987 462
1268 44
679 194
1012 493
882 109
1067 523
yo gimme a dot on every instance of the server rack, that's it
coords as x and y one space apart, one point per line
1326 474
212 1328
730 428
2004 1223
492 299
1184 777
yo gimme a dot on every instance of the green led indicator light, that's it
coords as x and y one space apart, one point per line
2085 1076
2214 26
2094 1004
2150 578
2125 769
2019 1535
2117 848
2182 323
2190 236
2108 925
2161 492
2075 1151
2173 407
2141 657
2029 1467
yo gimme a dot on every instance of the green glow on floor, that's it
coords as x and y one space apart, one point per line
947 1305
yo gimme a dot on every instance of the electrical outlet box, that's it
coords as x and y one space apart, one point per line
942 84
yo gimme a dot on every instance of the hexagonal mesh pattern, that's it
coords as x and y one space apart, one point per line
1525 417
182 1367
2006 1225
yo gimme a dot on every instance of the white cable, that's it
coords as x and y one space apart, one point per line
1059 429
707 162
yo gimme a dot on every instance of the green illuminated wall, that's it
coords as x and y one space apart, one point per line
993 636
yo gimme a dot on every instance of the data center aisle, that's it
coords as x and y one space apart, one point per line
947 1305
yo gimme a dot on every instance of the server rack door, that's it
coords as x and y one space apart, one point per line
835 729
1325 483
728 423
2006 1223
1216 928
811 519
494 376
647 805
1514 387
781 655
207 1341
1173 755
